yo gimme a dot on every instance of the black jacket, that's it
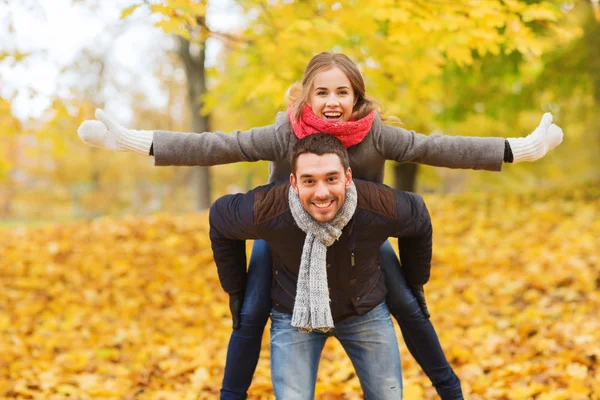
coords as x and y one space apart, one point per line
353 272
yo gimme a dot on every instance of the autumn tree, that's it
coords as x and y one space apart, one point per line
187 20
503 96
45 170
575 71
416 57
402 49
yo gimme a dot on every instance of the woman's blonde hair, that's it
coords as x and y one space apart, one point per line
299 92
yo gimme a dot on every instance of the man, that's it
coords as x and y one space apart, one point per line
325 231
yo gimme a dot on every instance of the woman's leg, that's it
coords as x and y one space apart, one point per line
418 332
244 344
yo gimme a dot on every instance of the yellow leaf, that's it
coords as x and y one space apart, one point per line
460 55
540 12
169 26
161 9
198 9
128 11
66 389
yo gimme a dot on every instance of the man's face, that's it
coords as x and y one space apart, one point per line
321 184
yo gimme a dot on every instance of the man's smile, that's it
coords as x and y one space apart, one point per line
323 205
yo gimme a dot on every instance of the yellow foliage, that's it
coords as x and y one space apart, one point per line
128 11
10 128
541 12
402 48
132 308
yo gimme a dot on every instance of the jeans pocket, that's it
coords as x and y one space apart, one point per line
380 312
280 320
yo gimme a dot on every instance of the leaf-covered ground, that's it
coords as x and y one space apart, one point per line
132 308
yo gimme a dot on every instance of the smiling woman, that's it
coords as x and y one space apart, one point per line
332 83
331 99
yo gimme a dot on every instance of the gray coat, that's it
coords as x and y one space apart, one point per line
274 143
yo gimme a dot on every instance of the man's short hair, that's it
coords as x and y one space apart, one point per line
319 144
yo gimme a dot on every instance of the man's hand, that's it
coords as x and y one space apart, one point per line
235 306
535 146
419 293
106 133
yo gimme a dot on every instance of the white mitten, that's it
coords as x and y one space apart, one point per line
106 133
535 145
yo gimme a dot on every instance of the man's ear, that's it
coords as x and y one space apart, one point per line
348 177
294 183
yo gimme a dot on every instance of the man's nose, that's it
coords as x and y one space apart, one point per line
321 190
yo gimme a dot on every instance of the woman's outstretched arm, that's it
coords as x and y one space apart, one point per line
175 148
465 151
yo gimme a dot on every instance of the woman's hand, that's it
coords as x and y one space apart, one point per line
535 146
106 133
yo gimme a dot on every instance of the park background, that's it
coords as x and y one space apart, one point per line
108 287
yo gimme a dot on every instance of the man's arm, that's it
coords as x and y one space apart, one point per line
414 242
414 232
231 224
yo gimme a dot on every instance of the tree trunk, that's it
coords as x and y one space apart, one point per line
591 33
591 29
196 83
405 176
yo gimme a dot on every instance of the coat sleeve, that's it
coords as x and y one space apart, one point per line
466 152
231 222
414 232
268 143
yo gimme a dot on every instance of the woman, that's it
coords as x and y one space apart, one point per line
331 99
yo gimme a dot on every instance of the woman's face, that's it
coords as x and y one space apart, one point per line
332 96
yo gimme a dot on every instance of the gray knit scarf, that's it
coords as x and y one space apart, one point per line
311 307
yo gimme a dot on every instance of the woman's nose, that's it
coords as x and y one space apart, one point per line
332 99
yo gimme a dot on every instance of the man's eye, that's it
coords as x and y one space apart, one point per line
333 179
308 182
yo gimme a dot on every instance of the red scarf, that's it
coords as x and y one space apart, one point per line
349 132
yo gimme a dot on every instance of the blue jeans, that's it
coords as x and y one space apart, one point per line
369 341
418 332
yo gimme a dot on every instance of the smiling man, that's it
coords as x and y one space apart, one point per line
325 231
321 183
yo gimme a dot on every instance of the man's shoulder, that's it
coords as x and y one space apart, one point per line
381 199
270 201
376 198
253 207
